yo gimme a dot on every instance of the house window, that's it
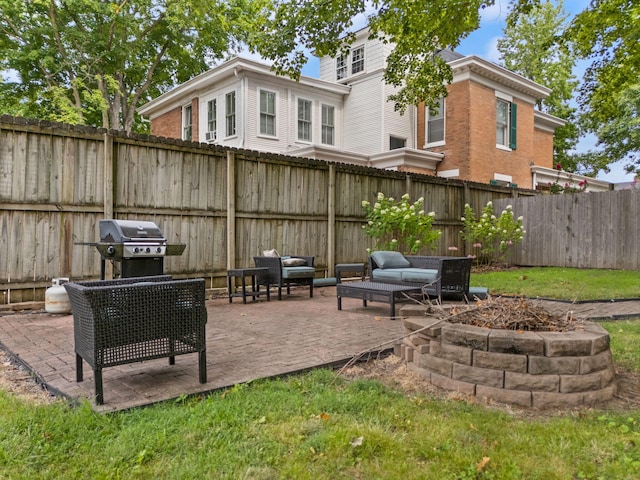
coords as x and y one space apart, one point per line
328 125
212 109
435 124
341 67
304 120
186 123
230 114
357 60
267 113
396 142
506 124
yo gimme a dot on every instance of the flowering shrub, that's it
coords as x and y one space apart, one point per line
556 187
400 226
492 236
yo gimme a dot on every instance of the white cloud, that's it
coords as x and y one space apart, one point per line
491 50
496 13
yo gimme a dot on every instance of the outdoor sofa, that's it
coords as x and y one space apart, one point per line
436 275
286 271
116 322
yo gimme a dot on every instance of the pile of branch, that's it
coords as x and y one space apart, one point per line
512 314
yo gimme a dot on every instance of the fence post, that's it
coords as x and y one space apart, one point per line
109 161
231 209
331 222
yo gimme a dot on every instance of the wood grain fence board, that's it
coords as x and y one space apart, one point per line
583 230
7 161
52 183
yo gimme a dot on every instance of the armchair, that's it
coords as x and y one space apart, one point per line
281 275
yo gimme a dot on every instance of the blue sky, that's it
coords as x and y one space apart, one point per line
483 43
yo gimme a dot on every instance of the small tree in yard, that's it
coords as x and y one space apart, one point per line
492 237
400 225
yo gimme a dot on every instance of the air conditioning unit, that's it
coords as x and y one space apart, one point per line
210 137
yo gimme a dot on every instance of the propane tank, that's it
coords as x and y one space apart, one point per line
56 299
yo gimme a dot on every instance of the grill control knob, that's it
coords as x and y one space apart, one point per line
148 250
111 250
158 250
136 250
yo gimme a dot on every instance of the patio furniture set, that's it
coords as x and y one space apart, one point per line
142 318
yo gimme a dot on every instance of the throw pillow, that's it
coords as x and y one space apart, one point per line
270 253
294 262
390 259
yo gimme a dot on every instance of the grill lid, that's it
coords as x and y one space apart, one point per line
121 231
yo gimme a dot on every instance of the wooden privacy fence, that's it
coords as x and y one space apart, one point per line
583 230
228 205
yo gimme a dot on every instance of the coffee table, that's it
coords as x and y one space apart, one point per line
375 292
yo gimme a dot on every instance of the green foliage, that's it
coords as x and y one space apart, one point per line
95 62
417 30
530 47
492 236
606 33
400 225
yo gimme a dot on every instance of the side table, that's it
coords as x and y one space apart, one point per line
349 267
243 273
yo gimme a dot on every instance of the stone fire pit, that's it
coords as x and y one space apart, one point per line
526 368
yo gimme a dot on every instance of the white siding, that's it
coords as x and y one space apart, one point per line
219 94
402 126
363 116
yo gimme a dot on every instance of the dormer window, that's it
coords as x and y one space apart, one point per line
357 60
341 67
350 63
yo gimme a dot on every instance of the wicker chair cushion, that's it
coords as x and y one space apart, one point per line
389 259
270 253
298 272
294 262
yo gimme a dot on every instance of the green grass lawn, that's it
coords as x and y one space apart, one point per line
319 425
561 283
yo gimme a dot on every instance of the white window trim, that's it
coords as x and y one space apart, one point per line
346 58
184 120
351 62
275 113
442 142
509 99
215 119
235 112
335 128
298 139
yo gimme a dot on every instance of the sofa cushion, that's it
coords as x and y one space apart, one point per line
390 259
270 253
419 275
298 272
387 274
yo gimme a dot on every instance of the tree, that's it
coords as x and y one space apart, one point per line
530 47
94 62
607 34
418 30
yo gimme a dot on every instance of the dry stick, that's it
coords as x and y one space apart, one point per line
356 357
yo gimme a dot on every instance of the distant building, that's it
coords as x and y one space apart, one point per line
486 130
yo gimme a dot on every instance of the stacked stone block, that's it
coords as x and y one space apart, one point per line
530 369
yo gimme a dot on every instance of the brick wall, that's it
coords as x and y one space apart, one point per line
168 124
470 137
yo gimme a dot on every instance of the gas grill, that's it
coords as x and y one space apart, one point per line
136 248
